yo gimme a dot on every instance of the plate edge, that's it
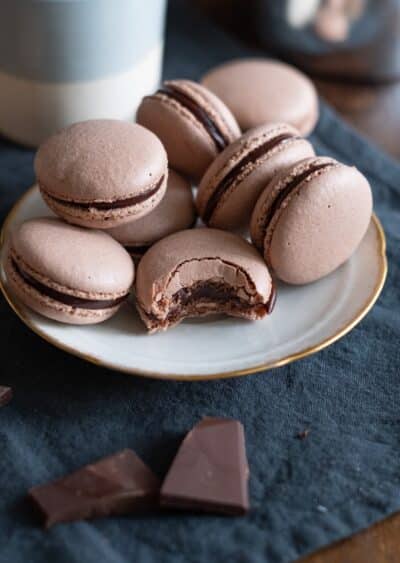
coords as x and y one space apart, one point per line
203 377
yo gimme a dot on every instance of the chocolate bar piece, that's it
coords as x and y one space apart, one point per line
5 395
117 484
210 471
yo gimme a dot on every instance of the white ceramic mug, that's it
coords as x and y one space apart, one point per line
63 61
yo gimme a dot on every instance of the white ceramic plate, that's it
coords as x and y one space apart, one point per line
305 320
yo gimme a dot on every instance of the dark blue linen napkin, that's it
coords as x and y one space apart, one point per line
305 493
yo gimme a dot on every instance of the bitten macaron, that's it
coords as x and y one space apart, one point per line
193 124
229 189
176 212
259 91
311 218
102 173
198 272
68 273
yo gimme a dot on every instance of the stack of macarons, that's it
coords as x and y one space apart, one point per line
123 195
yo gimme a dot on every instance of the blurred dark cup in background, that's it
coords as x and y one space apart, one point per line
357 40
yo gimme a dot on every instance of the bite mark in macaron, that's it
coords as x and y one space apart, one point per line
201 272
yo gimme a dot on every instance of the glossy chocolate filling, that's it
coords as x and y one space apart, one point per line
212 292
65 298
288 189
220 140
231 176
105 205
219 292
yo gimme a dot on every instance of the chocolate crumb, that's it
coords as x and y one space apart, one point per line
5 395
303 434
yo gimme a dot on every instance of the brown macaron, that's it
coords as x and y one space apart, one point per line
68 273
192 123
311 218
102 172
175 213
199 272
259 91
229 189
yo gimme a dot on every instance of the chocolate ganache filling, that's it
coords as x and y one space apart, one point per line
237 170
66 298
105 205
288 189
220 140
212 292
218 292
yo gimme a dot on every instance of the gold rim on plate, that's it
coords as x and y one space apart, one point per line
202 377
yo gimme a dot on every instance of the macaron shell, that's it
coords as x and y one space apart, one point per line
278 92
234 208
85 263
100 160
216 108
104 219
175 213
190 256
54 309
321 226
257 233
272 189
189 146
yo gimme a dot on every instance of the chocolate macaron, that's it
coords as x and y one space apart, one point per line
68 273
193 124
198 272
176 212
230 188
311 218
259 91
101 173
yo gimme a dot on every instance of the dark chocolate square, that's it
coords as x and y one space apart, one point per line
210 471
117 484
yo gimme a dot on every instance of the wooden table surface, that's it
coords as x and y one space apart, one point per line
375 112
378 544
